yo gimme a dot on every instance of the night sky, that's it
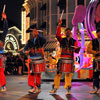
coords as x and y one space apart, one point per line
13 12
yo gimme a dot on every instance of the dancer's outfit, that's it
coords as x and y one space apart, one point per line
36 63
94 48
2 39
66 62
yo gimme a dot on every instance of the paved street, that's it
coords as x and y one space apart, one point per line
17 90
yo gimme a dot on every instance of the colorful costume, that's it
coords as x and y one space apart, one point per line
2 38
67 51
93 48
36 61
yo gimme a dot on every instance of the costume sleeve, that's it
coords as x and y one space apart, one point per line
58 35
89 48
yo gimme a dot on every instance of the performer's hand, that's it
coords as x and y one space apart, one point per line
60 22
4 15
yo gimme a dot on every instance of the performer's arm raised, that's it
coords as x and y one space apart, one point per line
58 32
5 27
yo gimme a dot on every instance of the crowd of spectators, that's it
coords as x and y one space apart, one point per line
15 64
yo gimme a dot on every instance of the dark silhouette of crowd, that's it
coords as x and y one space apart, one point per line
15 64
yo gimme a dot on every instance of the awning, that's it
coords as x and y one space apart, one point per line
50 46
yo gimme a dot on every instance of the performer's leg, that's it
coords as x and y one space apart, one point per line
57 80
38 81
95 79
31 80
57 76
56 83
68 79
95 83
31 76
2 79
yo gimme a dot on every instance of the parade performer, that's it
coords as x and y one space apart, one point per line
36 64
65 64
2 38
94 48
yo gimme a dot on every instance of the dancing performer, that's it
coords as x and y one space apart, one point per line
36 64
2 38
65 63
94 48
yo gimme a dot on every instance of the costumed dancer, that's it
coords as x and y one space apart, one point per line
65 63
2 39
36 64
94 48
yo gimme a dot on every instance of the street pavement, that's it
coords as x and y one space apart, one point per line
17 89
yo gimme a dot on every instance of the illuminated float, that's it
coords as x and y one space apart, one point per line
83 61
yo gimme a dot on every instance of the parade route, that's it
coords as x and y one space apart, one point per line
17 89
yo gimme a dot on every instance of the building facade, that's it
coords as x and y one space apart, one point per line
46 13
